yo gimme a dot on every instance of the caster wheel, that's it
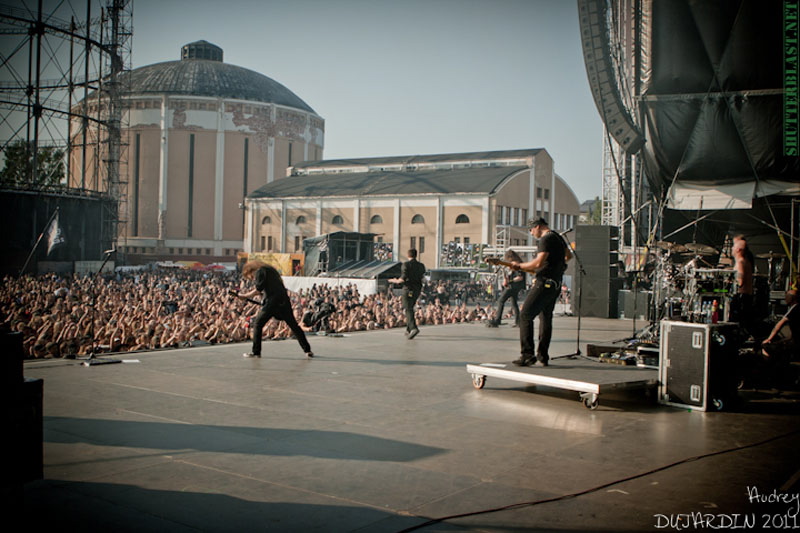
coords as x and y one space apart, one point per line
590 400
478 381
718 404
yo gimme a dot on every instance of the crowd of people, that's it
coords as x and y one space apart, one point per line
68 316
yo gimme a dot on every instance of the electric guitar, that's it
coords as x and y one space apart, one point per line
244 298
500 262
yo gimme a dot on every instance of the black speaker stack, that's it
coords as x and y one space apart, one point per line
597 248
22 442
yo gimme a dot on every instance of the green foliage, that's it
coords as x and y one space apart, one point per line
18 168
596 213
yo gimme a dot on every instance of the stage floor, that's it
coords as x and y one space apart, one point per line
379 433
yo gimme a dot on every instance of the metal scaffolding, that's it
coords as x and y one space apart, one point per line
62 87
625 192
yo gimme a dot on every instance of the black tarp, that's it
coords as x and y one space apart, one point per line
24 215
712 100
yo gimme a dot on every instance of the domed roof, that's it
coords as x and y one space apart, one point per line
213 78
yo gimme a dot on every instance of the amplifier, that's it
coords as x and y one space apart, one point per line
697 366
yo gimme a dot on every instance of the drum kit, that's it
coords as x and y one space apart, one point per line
685 282
690 280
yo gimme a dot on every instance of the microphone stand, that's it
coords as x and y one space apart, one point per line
581 274
92 360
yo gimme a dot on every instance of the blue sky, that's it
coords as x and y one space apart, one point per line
408 76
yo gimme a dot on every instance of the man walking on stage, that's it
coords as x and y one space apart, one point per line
411 275
548 266
275 304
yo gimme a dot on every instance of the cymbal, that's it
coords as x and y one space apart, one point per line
671 246
770 255
701 249
689 256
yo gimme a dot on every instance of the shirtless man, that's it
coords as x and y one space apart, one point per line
743 303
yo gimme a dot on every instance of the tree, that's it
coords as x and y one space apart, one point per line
18 168
596 212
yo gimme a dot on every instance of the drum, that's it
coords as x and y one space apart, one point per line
705 285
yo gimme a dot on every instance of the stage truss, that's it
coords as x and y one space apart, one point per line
62 82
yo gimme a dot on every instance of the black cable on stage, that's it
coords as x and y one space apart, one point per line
520 505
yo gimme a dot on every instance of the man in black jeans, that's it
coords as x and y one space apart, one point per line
275 303
548 266
411 274
513 284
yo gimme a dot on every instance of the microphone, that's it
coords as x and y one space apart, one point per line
567 231
111 251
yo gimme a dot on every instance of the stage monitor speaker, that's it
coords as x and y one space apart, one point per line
697 368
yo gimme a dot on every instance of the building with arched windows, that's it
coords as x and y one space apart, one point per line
200 135
430 202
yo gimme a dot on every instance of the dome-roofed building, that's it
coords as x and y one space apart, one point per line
201 135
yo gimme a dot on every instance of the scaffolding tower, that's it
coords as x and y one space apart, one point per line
624 190
63 69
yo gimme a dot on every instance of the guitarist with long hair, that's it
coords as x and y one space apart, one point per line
275 303
548 266
513 284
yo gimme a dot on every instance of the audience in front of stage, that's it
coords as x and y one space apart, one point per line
65 316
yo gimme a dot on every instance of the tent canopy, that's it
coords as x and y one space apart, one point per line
712 103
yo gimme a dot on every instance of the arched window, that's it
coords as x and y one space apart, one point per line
417 219
266 220
376 219
300 220
337 219
462 219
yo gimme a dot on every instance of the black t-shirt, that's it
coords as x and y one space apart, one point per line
269 281
517 280
552 243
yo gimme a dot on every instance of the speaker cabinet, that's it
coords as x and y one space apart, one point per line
596 247
697 368
634 304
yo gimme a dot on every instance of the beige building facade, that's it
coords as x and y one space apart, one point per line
428 203
201 135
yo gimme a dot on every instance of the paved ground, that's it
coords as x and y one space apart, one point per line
384 434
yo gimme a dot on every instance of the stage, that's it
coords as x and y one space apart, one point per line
379 433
